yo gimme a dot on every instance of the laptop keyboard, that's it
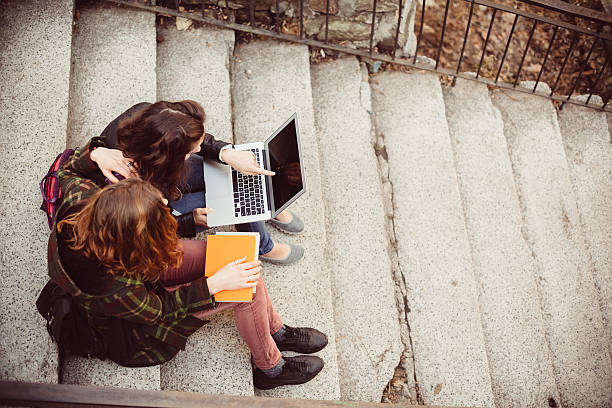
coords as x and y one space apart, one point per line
248 192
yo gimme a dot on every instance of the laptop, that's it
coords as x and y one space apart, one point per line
237 198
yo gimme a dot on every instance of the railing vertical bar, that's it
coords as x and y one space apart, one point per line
397 29
596 84
327 21
518 73
552 39
501 65
571 49
277 18
301 19
467 32
373 25
226 4
484 48
442 35
586 62
252 13
416 50
176 5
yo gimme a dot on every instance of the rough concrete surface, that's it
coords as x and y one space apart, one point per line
113 67
434 254
215 361
193 64
35 39
271 81
589 153
113 57
356 246
570 305
519 358
94 372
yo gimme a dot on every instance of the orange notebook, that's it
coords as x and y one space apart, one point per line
226 247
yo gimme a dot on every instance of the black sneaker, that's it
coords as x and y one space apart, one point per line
302 340
297 370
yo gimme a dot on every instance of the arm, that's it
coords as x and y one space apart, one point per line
75 178
139 305
211 147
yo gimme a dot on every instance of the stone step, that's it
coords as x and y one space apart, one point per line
572 316
113 68
356 247
519 358
194 65
586 139
35 53
271 81
451 366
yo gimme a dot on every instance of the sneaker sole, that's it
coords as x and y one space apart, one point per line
278 227
296 382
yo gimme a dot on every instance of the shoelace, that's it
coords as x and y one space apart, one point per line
300 366
298 335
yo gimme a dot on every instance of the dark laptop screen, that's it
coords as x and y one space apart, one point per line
284 154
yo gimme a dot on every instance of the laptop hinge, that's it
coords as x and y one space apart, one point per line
268 181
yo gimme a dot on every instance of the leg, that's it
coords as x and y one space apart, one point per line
194 180
256 321
192 267
192 189
255 324
265 241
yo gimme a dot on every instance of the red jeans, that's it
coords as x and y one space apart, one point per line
256 320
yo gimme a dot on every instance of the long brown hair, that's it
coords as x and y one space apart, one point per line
158 138
128 229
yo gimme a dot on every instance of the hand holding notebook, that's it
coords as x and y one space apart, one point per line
234 254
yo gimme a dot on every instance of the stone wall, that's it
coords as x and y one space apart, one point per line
350 21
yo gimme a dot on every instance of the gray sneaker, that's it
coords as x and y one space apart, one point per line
296 253
295 226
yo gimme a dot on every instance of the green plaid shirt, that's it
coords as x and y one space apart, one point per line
160 321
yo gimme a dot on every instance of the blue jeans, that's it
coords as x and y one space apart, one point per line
193 190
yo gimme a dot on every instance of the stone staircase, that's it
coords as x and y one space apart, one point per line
457 234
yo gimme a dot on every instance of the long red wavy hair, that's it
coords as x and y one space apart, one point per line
128 229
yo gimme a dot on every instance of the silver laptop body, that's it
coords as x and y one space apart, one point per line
236 198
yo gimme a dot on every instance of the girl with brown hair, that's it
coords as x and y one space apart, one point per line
115 250
165 144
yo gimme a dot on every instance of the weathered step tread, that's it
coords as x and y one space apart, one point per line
586 138
519 358
572 317
35 39
271 81
448 343
113 68
356 247
193 64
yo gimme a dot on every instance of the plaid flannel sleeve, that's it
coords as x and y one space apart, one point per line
73 177
163 308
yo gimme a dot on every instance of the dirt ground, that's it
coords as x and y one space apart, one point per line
455 32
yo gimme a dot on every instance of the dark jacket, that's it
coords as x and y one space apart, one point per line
155 321
209 149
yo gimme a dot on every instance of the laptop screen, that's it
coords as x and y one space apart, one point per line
284 154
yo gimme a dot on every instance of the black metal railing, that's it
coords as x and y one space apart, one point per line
584 25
